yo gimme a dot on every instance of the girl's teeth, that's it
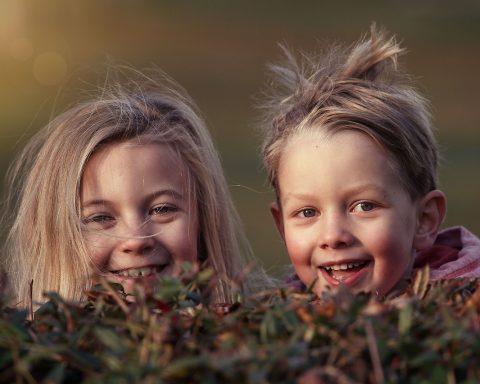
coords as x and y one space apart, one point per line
146 271
133 272
139 272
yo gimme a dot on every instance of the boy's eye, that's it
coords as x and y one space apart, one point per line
364 206
163 209
307 212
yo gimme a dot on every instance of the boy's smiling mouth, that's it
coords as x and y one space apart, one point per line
348 273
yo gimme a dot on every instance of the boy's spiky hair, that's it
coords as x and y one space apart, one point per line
357 88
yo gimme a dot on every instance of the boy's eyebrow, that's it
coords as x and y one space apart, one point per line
351 191
296 195
172 192
367 187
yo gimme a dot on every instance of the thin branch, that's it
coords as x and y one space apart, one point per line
374 355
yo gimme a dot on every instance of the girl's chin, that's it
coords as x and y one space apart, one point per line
131 284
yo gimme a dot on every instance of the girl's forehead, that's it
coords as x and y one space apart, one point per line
129 171
154 158
136 148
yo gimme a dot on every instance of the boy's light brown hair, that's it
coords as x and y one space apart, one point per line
359 88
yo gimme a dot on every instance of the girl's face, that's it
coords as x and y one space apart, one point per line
344 215
140 222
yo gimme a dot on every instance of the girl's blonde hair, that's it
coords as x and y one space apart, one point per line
359 88
45 243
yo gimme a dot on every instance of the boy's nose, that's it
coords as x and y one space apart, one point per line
335 233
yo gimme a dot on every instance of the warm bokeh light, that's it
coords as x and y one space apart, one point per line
49 68
21 49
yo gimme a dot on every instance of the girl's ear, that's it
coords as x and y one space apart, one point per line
277 216
431 212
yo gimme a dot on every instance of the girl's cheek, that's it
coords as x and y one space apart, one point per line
98 250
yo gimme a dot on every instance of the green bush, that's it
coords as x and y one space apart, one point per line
429 335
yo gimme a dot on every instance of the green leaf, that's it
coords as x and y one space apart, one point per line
111 340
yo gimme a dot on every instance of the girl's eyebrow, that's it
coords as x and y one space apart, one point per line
151 196
172 192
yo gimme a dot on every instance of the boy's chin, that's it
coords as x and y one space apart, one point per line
357 281
366 287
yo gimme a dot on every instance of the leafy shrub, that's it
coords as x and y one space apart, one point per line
429 335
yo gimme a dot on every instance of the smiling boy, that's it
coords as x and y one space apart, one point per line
351 155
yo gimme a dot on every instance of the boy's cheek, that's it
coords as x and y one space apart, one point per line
297 250
300 251
308 277
304 271
301 261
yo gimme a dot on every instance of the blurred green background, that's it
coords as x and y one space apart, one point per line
218 50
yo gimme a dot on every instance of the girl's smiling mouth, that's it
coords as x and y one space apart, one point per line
348 273
151 270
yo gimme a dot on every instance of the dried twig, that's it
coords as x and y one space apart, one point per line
373 349
30 299
115 296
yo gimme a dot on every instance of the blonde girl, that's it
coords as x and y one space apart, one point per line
127 185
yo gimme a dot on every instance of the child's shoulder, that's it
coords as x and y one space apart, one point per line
455 254
294 282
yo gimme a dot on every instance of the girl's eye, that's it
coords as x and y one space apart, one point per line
163 209
307 212
99 221
364 206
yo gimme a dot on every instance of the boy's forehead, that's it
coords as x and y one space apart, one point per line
310 132
335 149
321 134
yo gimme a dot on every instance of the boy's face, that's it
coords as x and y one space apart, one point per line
344 215
138 216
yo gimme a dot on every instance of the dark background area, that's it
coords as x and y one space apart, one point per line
218 50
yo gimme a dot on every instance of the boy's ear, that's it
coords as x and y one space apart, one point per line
431 212
277 217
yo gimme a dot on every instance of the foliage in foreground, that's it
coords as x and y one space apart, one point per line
431 334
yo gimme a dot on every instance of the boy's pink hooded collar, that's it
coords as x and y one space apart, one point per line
455 254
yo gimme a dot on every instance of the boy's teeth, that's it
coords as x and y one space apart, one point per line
344 267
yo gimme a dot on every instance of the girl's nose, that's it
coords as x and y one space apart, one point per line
137 241
335 232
